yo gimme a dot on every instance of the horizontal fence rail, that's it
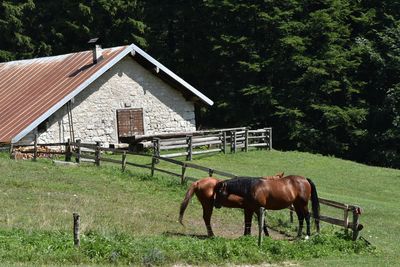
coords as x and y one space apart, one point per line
84 152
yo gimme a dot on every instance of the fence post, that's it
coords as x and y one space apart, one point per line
346 219
78 152
183 178
35 148
189 147
246 140
124 161
224 142
153 164
77 241
269 130
97 154
156 149
12 154
233 141
356 220
68 150
260 226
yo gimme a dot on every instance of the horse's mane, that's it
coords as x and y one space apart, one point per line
240 186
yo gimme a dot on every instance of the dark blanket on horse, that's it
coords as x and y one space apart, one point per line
241 186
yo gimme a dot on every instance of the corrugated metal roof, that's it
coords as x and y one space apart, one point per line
32 90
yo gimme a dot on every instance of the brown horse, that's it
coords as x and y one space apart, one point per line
204 190
272 194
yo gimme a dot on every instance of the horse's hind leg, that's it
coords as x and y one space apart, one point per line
307 217
265 222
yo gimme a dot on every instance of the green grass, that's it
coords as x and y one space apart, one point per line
41 247
132 218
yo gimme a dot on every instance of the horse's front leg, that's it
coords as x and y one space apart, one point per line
300 217
207 212
248 216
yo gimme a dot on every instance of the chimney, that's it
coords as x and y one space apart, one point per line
97 51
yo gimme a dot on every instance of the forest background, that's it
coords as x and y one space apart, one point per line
325 74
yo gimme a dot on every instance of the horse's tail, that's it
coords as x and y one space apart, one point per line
314 203
185 202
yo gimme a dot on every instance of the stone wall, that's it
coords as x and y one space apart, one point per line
126 85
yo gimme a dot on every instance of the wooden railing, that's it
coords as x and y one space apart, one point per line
212 142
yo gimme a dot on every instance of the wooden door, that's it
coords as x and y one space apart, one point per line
130 122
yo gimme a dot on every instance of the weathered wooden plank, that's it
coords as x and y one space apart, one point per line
257 131
138 165
257 136
162 147
168 172
87 160
168 142
114 150
174 155
205 139
138 154
177 162
206 151
258 145
194 166
207 143
331 220
332 203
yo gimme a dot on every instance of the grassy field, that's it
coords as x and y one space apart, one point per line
131 218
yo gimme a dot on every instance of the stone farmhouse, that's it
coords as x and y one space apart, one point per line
101 95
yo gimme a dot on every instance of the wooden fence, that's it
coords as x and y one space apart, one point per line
213 142
95 153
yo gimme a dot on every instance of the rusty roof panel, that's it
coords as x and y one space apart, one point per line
30 88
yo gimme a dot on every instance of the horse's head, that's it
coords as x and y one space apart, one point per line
220 193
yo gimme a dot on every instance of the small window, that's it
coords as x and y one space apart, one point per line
130 122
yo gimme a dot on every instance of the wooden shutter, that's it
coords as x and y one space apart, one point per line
130 122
